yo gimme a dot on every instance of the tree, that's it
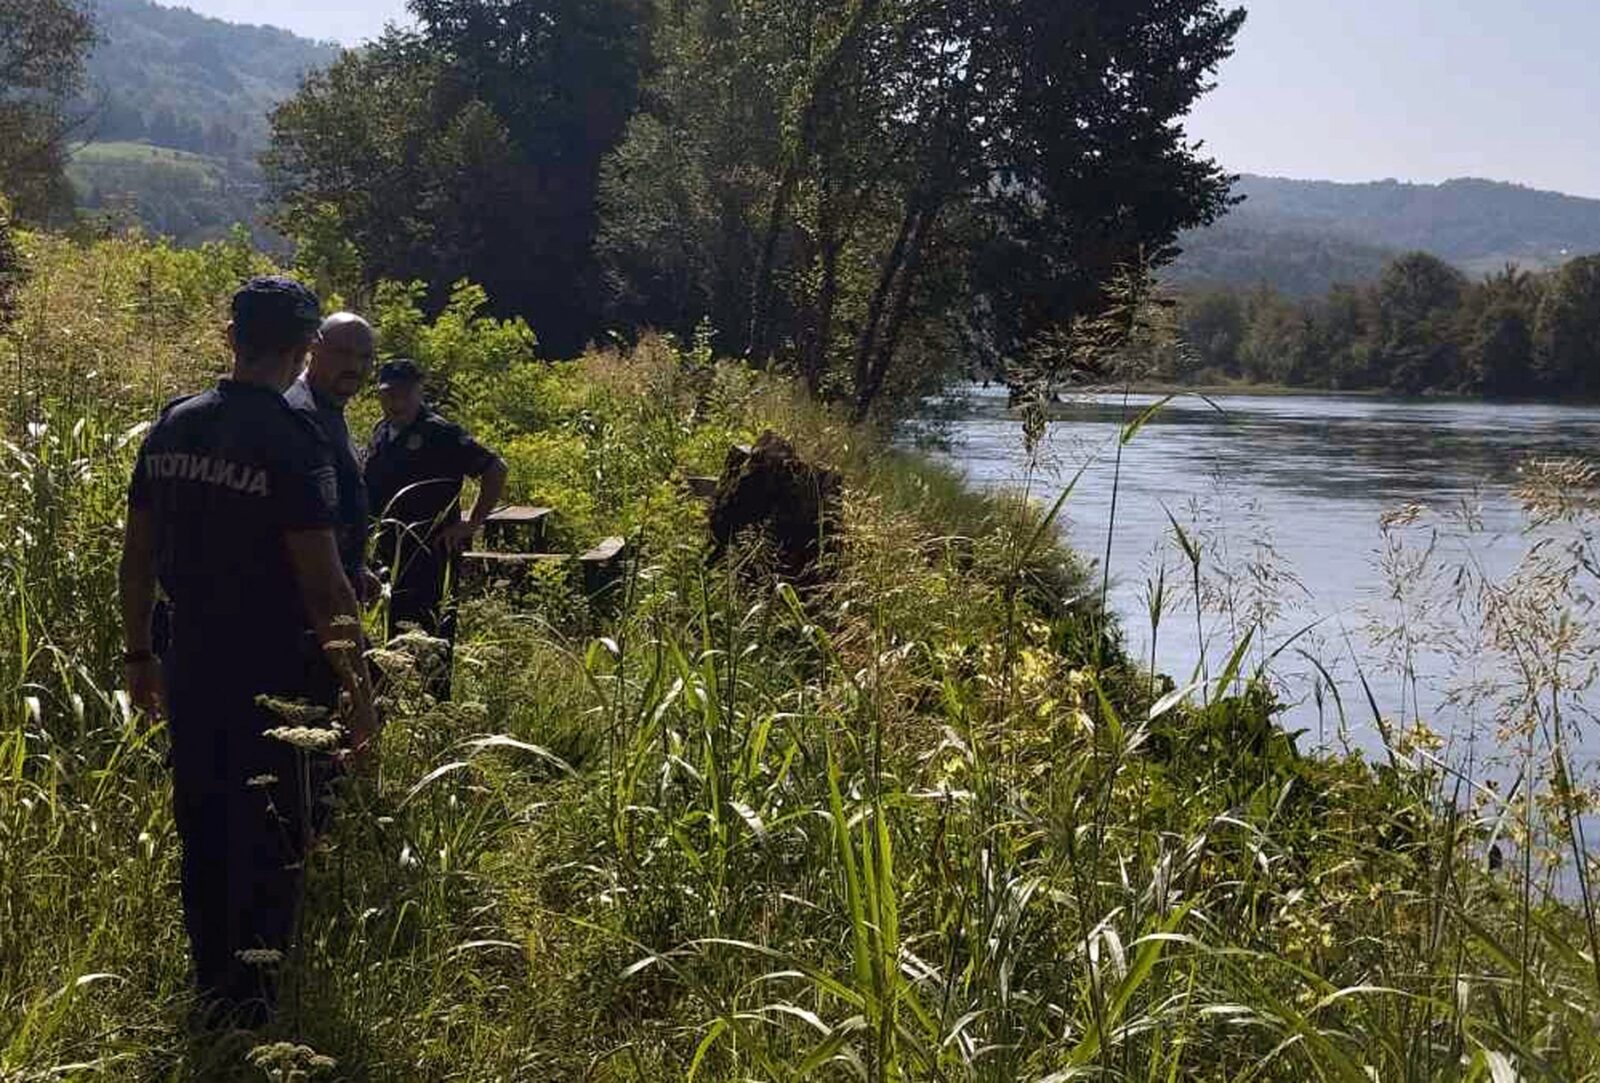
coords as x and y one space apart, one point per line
1500 312
1214 327
42 48
1419 299
1273 344
1346 318
1501 352
1567 333
929 180
1093 167
352 147
472 147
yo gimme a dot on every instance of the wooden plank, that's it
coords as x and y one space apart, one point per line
515 559
516 528
519 514
605 552
603 568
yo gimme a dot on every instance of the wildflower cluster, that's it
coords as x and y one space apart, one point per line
294 712
307 738
287 1062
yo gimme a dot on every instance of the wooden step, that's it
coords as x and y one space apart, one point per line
609 550
601 567
516 528
514 560
519 513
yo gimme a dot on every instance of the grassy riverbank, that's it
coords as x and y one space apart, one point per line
924 823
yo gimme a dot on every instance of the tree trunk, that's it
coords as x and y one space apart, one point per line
814 363
823 79
758 350
883 357
867 341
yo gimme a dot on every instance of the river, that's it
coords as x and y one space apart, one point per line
1288 494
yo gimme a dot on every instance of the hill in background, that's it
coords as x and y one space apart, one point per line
177 106
1303 236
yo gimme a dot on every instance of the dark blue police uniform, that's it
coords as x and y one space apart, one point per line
352 529
224 476
414 476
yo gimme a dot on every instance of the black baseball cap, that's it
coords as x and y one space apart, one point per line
402 370
271 312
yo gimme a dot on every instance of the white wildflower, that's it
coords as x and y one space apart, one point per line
288 1061
294 712
310 738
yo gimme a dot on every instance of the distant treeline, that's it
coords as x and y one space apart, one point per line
1421 327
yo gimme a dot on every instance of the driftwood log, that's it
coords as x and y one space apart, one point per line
791 504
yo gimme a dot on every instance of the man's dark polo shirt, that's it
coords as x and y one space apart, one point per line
414 474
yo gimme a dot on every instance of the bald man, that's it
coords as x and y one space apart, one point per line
339 365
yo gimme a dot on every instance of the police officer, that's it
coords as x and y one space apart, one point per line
415 466
341 362
231 511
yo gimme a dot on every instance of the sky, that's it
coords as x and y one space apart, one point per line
1419 90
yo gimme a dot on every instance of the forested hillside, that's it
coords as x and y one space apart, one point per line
1302 237
176 79
176 105
1297 262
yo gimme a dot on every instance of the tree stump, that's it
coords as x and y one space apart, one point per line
791 504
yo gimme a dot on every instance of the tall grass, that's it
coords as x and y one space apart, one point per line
924 822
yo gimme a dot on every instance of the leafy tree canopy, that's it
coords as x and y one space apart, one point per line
42 46
863 189
869 189
471 147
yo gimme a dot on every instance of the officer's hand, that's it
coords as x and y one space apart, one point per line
455 537
146 688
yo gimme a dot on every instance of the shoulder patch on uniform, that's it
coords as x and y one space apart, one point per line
327 485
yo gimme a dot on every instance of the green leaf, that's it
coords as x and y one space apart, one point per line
712 1034
1132 428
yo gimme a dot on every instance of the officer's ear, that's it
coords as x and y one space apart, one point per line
229 337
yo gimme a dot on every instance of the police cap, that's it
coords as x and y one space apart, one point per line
400 371
272 313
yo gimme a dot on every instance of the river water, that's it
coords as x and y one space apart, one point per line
1287 495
